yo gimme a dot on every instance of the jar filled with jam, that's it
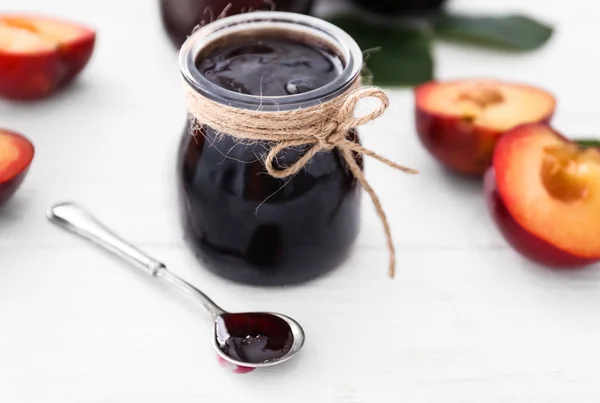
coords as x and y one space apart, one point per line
180 17
243 223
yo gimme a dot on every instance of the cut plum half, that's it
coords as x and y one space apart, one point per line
16 154
521 240
39 55
460 121
551 187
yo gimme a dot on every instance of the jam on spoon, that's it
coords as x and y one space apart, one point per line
248 340
253 337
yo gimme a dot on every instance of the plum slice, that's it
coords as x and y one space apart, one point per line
39 55
16 154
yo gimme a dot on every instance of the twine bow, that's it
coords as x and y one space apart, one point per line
322 128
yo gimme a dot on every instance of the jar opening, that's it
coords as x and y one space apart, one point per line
298 27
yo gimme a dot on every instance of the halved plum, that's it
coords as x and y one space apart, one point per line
544 194
39 55
460 121
16 154
521 240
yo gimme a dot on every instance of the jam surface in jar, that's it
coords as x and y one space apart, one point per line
244 224
270 66
253 337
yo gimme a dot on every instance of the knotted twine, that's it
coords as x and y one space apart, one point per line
321 128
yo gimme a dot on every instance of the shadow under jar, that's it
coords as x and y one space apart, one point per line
180 17
244 224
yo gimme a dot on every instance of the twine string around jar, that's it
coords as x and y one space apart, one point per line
321 128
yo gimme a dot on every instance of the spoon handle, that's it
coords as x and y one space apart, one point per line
75 219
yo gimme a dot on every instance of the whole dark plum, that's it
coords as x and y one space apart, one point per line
180 17
401 7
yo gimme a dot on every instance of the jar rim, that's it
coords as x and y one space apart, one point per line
339 41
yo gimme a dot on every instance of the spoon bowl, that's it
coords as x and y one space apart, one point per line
256 339
248 340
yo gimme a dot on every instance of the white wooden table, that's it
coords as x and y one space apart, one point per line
466 320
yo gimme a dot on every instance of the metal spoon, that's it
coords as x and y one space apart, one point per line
80 222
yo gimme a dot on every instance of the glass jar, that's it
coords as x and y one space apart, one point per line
180 17
244 224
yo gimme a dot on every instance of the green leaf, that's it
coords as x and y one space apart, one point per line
588 143
509 32
394 56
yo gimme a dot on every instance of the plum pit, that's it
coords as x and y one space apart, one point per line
566 173
474 100
482 95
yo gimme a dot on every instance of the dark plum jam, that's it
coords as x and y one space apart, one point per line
270 66
253 337
242 223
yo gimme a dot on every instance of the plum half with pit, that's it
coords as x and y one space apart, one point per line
39 55
16 154
459 122
543 192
